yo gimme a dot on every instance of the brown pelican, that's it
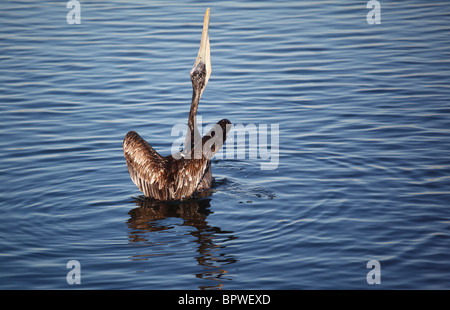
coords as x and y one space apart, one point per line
183 174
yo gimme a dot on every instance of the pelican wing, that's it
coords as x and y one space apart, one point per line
146 167
162 178
189 176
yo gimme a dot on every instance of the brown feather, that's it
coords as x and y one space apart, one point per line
163 178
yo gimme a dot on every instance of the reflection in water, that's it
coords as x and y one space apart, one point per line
149 218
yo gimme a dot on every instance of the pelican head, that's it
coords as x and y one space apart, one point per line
201 70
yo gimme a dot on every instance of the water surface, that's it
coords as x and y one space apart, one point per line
364 141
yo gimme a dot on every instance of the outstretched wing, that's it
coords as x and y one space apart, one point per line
162 178
146 167
189 175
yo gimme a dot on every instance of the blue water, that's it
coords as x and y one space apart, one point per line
364 145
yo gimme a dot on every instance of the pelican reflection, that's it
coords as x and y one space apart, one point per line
152 217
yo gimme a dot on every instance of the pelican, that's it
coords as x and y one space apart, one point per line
181 175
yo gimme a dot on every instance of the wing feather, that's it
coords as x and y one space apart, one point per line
162 178
146 167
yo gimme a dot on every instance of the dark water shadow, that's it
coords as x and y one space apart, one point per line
150 218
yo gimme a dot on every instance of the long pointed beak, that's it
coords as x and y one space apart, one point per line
204 51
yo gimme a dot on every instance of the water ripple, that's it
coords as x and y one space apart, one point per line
364 145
